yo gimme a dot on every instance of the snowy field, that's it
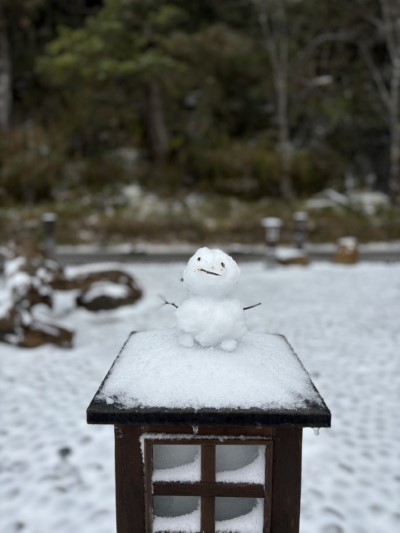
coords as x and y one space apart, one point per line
57 473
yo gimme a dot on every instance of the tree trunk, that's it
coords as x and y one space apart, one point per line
5 75
394 172
283 133
157 129
275 32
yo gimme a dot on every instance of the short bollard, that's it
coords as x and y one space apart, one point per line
272 226
189 456
49 221
300 219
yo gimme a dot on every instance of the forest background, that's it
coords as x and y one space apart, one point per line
183 119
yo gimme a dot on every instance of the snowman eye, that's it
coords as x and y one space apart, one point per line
223 265
199 259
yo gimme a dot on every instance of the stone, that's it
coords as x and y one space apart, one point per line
108 289
347 251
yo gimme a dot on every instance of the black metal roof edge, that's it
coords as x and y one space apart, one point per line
97 414
267 420
322 401
94 399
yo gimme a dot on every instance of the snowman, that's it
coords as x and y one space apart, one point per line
209 316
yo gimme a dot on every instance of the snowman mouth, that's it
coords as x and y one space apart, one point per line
208 272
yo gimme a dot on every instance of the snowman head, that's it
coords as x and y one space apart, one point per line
211 273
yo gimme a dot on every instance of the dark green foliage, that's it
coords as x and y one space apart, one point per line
189 85
31 166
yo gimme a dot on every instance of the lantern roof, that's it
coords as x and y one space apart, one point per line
155 380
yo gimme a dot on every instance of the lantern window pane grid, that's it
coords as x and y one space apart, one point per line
213 483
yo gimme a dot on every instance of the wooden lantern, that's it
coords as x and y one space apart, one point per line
248 456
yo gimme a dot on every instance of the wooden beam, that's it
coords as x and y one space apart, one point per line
214 490
193 440
217 430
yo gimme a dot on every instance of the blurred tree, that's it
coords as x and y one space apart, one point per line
25 25
5 74
274 25
246 96
11 13
168 76
386 76
122 49
301 40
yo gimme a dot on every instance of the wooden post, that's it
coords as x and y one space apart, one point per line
208 475
129 480
269 450
286 481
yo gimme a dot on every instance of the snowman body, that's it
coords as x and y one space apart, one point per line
209 316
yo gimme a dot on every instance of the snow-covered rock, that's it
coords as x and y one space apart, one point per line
328 198
369 201
291 256
105 290
347 250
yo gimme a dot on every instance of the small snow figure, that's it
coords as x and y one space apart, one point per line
209 316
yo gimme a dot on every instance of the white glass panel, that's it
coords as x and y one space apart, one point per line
172 455
254 472
234 456
190 472
239 515
176 513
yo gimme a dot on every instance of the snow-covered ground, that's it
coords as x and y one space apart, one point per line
57 473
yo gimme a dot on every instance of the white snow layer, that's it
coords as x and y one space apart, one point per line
155 371
251 522
342 321
106 288
254 472
186 472
234 464
189 523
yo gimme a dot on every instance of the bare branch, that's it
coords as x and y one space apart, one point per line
166 302
267 33
389 22
376 75
322 39
251 307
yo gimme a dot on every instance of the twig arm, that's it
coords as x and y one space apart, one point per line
168 303
251 307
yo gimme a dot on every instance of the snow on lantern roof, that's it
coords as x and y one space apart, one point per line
155 380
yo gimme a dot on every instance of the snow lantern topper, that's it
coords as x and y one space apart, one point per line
209 316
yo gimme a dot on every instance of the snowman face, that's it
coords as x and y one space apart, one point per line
211 273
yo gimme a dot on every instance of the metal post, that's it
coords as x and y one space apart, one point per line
300 228
1 263
272 227
49 221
